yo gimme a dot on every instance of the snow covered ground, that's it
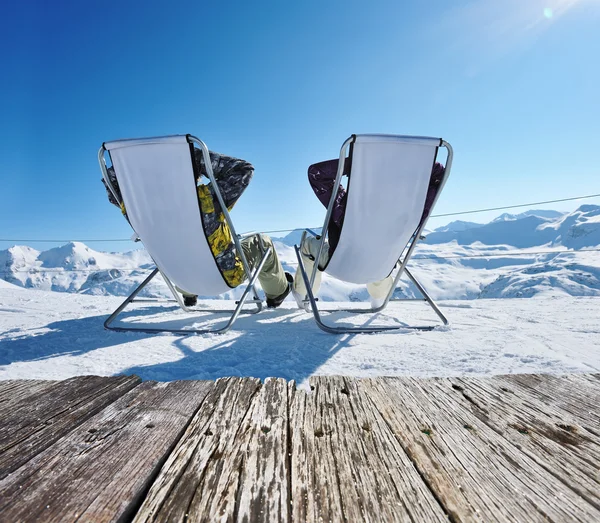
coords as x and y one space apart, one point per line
51 335
53 304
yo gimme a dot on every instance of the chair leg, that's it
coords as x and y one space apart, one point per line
222 330
428 298
249 287
129 299
257 301
332 329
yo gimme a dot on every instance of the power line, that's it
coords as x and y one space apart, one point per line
507 254
38 270
480 210
67 241
515 206
302 228
496 255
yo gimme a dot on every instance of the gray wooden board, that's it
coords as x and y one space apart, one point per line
315 496
13 392
44 417
476 473
591 382
101 470
201 479
347 464
554 441
577 399
262 452
509 448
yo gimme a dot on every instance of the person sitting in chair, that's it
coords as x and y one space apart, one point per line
321 177
232 176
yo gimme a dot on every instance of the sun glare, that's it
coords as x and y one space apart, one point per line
548 12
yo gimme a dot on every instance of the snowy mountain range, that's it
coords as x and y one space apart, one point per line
462 260
575 230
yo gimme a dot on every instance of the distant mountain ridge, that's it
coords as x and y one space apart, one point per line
575 230
72 267
540 213
75 267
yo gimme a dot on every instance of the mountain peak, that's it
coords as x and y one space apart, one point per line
72 255
539 213
591 209
18 256
458 225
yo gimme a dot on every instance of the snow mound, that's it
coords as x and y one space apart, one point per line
6 285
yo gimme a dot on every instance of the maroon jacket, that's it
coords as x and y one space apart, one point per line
321 177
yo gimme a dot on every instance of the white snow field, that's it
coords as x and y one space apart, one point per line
539 272
51 335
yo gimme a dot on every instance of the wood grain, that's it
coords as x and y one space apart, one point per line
13 392
555 442
506 448
357 456
579 399
473 470
42 418
200 480
100 471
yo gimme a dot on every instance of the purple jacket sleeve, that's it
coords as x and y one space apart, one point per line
321 177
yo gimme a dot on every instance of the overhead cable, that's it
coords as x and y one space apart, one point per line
302 228
507 254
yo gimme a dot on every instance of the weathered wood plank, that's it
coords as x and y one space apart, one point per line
369 472
262 451
101 470
476 473
315 495
587 381
13 392
200 480
44 417
555 442
577 400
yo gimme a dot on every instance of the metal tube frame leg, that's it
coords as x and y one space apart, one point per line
129 299
344 330
428 298
222 330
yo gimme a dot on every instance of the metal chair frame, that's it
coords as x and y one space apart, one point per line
252 275
402 261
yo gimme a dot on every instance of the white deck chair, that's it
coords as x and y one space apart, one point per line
387 188
157 183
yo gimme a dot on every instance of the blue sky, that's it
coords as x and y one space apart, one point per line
512 85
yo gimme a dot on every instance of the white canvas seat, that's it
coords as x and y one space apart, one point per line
385 214
157 186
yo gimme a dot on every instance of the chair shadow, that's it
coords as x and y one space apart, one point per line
273 343
255 350
73 337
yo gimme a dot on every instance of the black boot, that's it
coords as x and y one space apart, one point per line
273 303
190 301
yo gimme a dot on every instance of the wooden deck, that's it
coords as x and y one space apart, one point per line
509 448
